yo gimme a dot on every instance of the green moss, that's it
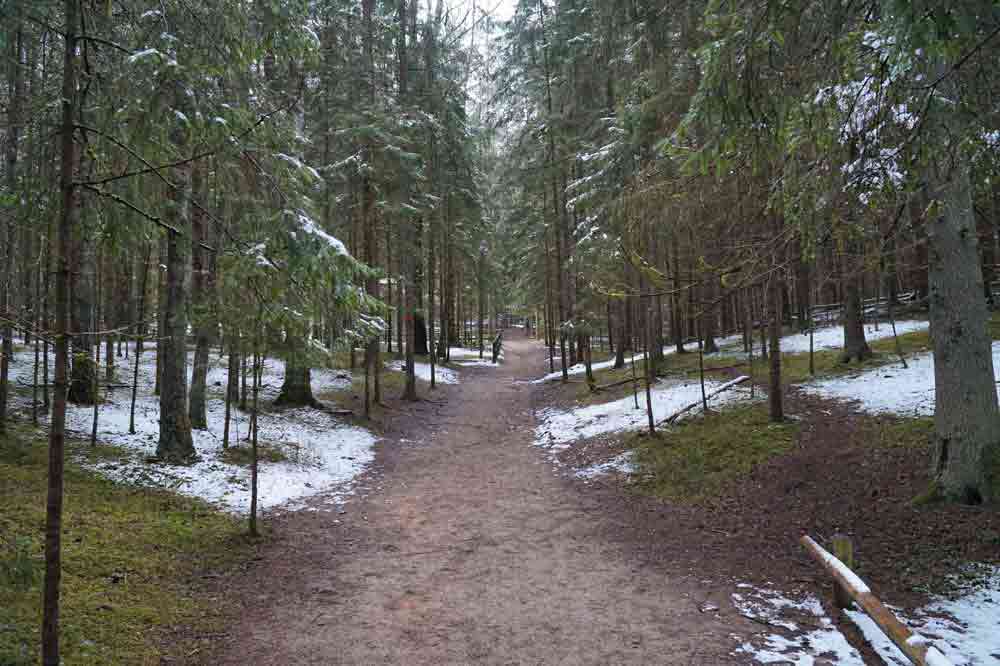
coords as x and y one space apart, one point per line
129 556
994 325
932 495
908 433
243 455
697 458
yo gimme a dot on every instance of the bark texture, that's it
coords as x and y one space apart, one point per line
855 345
203 325
57 422
966 418
175 443
296 389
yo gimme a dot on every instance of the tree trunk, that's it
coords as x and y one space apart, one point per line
775 402
13 146
802 283
175 443
966 424
233 369
296 389
203 324
57 423
676 324
82 288
855 345
986 244
709 319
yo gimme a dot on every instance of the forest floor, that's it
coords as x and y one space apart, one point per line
471 539
506 520
462 546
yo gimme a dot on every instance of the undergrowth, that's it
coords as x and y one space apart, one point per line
698 457
243 455
130 556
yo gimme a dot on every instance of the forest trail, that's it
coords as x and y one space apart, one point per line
467 549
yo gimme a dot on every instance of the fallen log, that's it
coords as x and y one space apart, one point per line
725 387
912 645
595 388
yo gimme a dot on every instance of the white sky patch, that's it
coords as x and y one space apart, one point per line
323 453
557 428
890 389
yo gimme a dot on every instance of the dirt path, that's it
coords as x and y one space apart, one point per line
466 548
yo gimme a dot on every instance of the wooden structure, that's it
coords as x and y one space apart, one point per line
914 646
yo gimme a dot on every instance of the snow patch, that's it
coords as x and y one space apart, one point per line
557 428
890 389
791 645
477 363
623 464
964 629
832 337
442 375
322 453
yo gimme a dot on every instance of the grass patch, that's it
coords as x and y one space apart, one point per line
914 434
129 556
697 458
243 455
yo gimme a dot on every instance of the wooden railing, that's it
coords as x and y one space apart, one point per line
914 646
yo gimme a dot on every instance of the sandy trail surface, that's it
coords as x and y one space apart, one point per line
464 546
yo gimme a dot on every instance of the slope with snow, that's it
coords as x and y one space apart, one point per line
832 337
323 453
442 375
557 428
965 628
890 389
829 337
802 631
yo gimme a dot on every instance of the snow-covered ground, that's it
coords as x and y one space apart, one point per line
890 389
322 452
442 375
829 337
469 358
557 428
477 363
966 628
580 368
622 464
790 643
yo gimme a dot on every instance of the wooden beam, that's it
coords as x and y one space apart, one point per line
725 387
914 646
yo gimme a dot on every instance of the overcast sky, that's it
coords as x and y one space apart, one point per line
501 9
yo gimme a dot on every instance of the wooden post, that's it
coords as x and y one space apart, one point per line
914 646
843 549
